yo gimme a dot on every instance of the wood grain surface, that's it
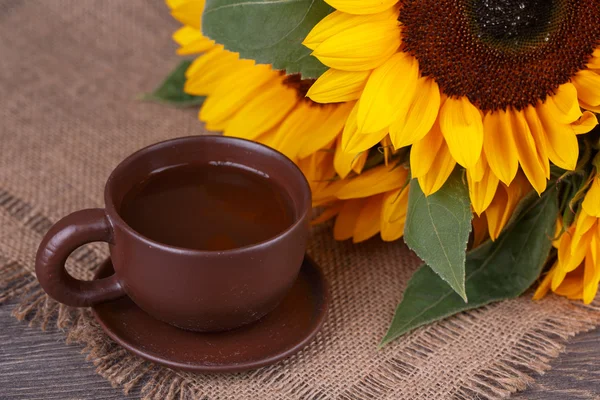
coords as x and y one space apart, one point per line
39 365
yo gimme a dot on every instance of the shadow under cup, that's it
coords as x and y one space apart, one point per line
192 289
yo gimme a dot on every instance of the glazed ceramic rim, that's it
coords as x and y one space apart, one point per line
265 151
238 367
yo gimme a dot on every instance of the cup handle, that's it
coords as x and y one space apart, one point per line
62 239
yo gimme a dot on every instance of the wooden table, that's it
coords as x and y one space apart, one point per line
39 365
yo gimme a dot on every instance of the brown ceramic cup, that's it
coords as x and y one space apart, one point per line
191 289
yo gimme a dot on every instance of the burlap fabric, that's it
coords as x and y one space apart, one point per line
70 71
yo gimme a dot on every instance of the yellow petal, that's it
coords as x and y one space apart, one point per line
361 6
189 12
243 85
326 132
354 142
591 202
424 152
346 219
563 149
263 112
564 106
343 162
413 125
361 47
336 86
499 146
374 181
337 22
482 192
191 41
295 129
393 214
216 54
477 173
208 71
544 286
389 92
359 162
591 277
571 285
533 167
584 223
441 168
586 123
588 87
589 107
462 127
368 221
539 137
504 203
327 214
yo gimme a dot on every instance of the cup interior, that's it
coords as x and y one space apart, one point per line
214 150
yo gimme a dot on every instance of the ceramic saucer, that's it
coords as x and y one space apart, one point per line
276 336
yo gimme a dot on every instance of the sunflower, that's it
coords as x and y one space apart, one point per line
576 272
497 87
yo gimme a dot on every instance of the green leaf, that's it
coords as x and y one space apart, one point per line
437 229
495 271
268 31
170 92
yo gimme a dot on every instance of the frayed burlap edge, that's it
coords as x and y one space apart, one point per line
512 372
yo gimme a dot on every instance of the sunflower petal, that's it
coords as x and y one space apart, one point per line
209 71
337 22
413 125
586 123
361 6
327 214
424 152
368 221
262 112
325 133
462 127
591 202
585 222
191 41
346 219
336 86
441 168
499 145
361 47
295 129
188 12
564 105
526 147
393 214
354 142
388 92
539 137
544 286
234 93
588 86
374 181
591 277
344 161
482 192
563 149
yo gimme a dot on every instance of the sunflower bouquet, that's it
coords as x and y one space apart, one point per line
465 127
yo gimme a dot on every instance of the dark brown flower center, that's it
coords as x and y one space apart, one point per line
500 53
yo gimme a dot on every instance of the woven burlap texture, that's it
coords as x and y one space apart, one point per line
70 71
